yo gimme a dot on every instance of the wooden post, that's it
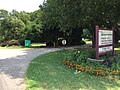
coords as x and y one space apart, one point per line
97 47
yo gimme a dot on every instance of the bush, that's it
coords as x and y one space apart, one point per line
80 55
70 55
12 42
78 60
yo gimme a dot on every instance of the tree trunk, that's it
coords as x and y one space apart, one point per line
93 33
76 36
116 36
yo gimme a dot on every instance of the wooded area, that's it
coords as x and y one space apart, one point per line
61 19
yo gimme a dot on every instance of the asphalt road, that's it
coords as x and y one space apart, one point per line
13 66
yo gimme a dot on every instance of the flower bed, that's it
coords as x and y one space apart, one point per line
97 71
78 59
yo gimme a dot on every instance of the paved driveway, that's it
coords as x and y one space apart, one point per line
13 65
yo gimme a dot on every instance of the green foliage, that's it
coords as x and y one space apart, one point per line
69 55
60 18
12 42
57 18
20 25
36 32
80 55
84 54
86 34
116 61
79 61
71 15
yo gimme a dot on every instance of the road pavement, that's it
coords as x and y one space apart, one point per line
13 66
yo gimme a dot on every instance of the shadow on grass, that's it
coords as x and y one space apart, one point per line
47 72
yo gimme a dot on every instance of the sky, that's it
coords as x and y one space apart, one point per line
20 5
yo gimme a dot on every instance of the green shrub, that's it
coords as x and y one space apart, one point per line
84 54
80 55
69 55
79 61
13 42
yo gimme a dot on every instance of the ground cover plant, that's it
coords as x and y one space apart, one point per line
47 72
79 60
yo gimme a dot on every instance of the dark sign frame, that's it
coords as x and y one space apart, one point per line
106 48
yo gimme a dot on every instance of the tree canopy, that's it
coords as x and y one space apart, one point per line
20 25
60 19
71 15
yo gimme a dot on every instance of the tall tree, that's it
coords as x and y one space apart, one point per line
36 26
4 18
20 25
59 16
71 15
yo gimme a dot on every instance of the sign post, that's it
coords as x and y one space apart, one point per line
104 41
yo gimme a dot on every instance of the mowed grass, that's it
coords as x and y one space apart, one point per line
38 44
87 41
47 72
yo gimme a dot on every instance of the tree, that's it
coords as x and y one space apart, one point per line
20 25
71 15
16 29
50 15
58 16
36 26
4 18
12 27
101 12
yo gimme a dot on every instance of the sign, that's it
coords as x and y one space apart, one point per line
105 37
64 42
104 41
105 49
27 43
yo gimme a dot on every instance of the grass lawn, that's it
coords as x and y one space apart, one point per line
87 41
47 72
38 44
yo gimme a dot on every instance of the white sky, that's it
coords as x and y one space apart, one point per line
20 5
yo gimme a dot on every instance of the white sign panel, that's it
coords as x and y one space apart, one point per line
105 37
105 49
64 42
